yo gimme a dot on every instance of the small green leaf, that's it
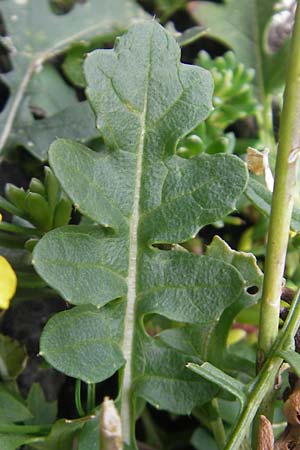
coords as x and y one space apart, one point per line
202 440
37 186
39 211
13 358
73 64
12 408
293 359
44 413
11 442
15 195
62 435
166 383
74 122
88 436
221 379
191 35
168 7
261 197
49 93
242 25
62 213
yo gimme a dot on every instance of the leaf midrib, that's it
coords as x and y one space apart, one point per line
129 318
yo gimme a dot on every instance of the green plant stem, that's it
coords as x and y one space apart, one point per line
209 416
91 395
203 418
24 429
282 200
78 403
265 122
217 426
265 379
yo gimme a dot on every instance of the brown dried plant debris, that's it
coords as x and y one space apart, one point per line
290 438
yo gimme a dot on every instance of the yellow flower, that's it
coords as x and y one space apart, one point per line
8 283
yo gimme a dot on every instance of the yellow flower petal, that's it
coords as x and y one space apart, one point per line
8 283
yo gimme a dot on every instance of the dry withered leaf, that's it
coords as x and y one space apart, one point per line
110 426
291 408
265 435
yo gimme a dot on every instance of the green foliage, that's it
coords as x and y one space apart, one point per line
151 297
261 197
233 89
43 412
11 442
13 358
233 99
32 41
202 440
12 407
209 341
242 25
136 189
44 205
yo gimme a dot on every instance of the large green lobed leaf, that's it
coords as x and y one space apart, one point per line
138 193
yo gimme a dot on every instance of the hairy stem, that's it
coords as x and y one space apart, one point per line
282 201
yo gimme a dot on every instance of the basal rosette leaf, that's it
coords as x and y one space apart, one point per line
138 192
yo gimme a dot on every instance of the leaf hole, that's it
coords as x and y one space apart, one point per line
4 95
252 290
155 324
5 61
60 7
